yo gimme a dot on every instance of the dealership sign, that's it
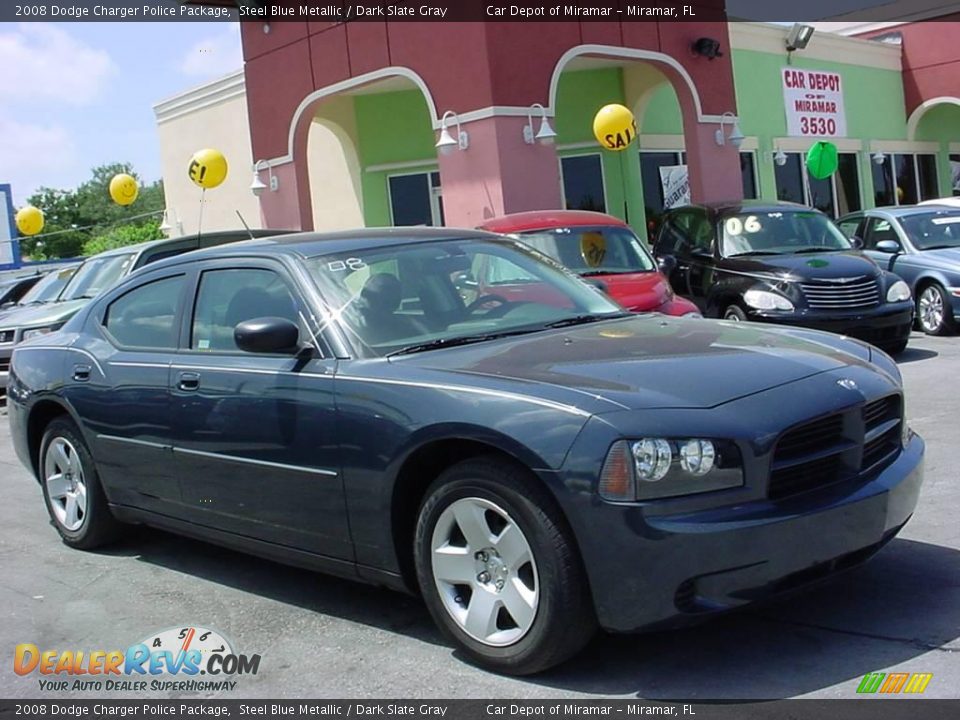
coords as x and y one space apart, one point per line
813 100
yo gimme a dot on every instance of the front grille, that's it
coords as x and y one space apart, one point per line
827 295
6 336
4 366
844 446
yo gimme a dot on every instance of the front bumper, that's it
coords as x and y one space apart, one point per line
6 352
670 570
887 324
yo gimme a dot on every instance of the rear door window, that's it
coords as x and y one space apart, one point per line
146 317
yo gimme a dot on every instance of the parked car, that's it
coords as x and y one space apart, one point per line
948 201
14 288
782 263
532 469
921 244
594 245
45 290
95 275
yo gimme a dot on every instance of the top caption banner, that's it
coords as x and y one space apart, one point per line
442 11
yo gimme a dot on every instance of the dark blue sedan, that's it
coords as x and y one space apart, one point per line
921 244
529 457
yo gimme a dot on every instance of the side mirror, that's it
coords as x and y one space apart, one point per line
667 264
268 335
856 242
891 247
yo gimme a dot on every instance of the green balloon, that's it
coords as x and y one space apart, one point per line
822 159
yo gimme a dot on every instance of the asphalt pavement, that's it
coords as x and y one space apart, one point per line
323 637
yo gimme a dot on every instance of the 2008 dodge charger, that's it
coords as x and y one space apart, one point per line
534 466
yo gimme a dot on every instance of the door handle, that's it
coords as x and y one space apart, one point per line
81 373
189 381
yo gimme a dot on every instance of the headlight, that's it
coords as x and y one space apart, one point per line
33 332
766 300
898 292
652 468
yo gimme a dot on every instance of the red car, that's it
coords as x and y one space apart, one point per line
597 247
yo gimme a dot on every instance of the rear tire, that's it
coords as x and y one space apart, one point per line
71 488
935 311
499 570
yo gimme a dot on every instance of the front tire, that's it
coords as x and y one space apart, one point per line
71 488
734 313
498 569
935 311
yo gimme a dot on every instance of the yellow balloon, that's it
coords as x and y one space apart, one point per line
124 189
208 168
29 220
614 127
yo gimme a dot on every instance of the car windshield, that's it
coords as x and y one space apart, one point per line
592 250
48 288
933 230
96 275
780 232
420 296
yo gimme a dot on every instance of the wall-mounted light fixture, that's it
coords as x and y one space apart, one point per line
445 143
545 135
780 157
735 137
799 36
706 47
257 187
879 157
166 226
266 28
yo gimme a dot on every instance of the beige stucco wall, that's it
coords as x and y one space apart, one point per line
214 115
334 167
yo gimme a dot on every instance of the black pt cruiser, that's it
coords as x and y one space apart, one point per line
534 467
781 263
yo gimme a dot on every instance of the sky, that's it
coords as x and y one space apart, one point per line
79 95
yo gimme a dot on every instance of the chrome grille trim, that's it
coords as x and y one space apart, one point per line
833 296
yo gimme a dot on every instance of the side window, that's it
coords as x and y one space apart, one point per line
701 232
229 297
500 271
878 229
674 237
849 227
146 316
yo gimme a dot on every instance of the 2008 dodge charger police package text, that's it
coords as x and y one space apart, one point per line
535 467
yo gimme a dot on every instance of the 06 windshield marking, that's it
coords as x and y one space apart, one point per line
402 299
780 233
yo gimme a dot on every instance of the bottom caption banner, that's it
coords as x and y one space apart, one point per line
470 709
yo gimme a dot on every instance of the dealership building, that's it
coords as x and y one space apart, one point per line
341 121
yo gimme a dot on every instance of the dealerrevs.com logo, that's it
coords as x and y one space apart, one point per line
172 660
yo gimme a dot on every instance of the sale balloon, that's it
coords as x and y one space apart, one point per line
29 220
614 127
208 168
124 189
822 160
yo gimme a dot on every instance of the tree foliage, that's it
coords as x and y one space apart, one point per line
86 220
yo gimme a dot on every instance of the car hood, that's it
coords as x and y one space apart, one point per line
636 291
40 315
812 266
645 362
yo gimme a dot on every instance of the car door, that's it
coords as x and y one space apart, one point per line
118 380
673 241
703 249
255 443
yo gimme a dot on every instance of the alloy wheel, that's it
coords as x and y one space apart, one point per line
63 475
484 571
931 309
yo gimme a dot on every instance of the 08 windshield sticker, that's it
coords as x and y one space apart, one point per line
736 226
353 264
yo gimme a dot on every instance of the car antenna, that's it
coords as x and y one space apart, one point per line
246 227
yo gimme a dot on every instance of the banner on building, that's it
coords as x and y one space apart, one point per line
8 236
813 100
675 183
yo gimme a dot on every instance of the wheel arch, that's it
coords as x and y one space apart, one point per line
433 453
40 415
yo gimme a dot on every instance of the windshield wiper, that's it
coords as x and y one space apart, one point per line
757 252
941 247
583 319
592 273
802 251
455 341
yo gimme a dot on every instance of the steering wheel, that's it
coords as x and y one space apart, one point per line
483 300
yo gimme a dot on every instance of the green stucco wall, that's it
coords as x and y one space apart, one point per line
941 124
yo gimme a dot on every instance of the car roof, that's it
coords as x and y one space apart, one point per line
546 219
732 207
908 210
312 244
187 241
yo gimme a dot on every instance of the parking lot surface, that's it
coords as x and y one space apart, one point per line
323 637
